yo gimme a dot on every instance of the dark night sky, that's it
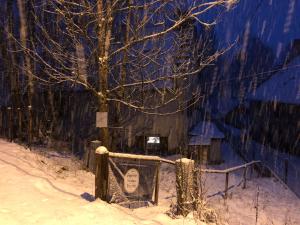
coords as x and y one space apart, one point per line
275 22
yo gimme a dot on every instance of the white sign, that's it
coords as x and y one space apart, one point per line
131 180
101 119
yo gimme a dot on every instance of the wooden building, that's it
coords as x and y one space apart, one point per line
205 143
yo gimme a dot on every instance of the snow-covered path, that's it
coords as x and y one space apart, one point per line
38 189
29 195
33 190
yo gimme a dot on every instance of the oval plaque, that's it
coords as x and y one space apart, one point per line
131 180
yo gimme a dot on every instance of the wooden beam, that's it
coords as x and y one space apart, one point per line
141 157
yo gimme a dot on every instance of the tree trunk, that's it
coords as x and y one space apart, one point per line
27 66
104 40
11 62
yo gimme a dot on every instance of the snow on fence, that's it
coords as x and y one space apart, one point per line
127 179
247 168
133 180
284 167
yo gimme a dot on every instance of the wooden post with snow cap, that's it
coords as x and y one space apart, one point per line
101 174
185 186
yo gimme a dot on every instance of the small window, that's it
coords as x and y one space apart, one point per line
153 140
157 145
152 144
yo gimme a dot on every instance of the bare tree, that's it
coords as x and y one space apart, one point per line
27 67
146 56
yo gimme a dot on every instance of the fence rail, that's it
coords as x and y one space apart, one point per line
141 157
225 171
125 171
231 170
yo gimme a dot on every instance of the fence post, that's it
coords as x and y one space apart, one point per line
30 136
185 186
286 170
157 184
10 124
19 124
259 171
226 185
245 177
101 173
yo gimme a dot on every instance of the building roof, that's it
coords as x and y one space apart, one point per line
282 87
203 132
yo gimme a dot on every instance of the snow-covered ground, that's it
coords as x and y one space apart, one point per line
273 158
40 188
276 205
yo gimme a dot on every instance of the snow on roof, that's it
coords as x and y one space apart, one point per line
199 140
282 87
206 130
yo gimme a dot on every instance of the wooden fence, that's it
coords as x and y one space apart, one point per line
184 174
102 159
227 172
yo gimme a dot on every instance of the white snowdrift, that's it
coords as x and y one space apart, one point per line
50 188
35 189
